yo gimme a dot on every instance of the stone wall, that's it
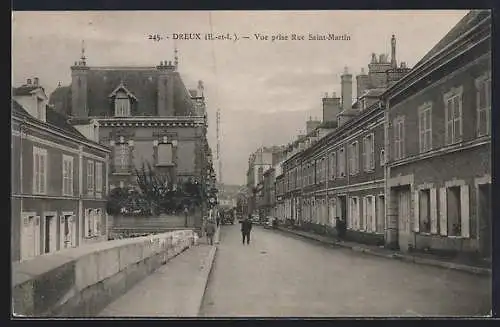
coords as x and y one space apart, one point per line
161 224
80 282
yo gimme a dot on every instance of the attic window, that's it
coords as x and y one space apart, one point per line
122 105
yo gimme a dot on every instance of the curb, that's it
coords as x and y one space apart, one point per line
402 257
206 269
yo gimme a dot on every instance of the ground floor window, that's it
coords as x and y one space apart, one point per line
354 214
92 222
424 211
369 218
67 231
380 214
453 206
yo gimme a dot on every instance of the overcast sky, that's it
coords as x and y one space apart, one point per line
254 83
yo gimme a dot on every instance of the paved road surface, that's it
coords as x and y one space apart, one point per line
284 275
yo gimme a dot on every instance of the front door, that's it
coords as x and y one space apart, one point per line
50 242
404 234
484 209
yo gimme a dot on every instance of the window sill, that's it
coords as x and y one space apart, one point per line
165 165
121 173
457 237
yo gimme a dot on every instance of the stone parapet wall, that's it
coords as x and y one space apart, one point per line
80 282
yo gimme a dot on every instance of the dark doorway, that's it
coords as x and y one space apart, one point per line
48 235
484 211
343 207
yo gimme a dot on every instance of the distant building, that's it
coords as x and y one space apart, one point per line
337 170
59 178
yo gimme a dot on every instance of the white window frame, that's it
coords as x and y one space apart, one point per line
369 152
482 82
341 157
355 223
40 156
456 136
354 158
122 105
124 161
30 250
90 177
425 114
399 138
382 157
67 175
333 165
98 179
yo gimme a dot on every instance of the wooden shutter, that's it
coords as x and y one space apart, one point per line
443 218
433 207
373 214
372 151
464 213
364 154
416 211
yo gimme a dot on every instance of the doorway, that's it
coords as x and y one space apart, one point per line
380 214
50 234
342 207
30 237
404 214
484 212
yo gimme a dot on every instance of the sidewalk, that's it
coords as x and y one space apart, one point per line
174 290
427 259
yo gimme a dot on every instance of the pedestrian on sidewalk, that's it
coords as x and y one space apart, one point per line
218 219
210 230
340 226
246 228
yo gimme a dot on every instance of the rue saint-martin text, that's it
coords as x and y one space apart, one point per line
277 37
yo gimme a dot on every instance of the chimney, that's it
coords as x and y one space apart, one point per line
331 107
393 52
311 125
35 81
362 82
28 81
346 89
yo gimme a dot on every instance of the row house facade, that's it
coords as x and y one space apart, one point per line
58 177
408 165
146 115
438 121
340 173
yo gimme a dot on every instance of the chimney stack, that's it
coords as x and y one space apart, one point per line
331 108
393 52
35 81
346 89
362 82
28 81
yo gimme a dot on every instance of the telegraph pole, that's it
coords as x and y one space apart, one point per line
219 161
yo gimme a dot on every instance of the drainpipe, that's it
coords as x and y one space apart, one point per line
81 217
387 156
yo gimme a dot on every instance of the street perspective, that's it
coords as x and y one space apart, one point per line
251 164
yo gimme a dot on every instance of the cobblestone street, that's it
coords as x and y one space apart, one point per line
281 275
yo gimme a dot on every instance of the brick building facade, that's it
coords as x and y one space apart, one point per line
58 177
438 126
146 115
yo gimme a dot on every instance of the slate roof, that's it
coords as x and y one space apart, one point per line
472 18
25 90
55 120
140 82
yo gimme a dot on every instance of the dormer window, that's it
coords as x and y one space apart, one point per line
122 99
122 105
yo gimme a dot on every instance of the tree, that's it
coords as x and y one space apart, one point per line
156 189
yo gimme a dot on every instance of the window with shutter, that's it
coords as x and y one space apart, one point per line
98 179
39 170
433 210
453 115
90 178
483 95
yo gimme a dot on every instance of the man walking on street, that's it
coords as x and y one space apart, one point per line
341 228
210 232
246 228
